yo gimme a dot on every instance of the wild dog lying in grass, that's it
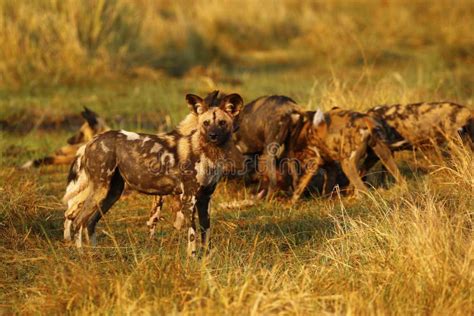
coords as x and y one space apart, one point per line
424 124
188 162
341 136
266 126
92 126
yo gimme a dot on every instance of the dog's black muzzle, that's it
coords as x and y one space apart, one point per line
217 136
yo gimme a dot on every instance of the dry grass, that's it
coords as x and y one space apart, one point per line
50 42
392 252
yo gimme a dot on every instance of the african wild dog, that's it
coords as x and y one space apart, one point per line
188 162
424 124
266 127
341 136
92 126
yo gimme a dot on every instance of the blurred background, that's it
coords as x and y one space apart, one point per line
56 42
133 61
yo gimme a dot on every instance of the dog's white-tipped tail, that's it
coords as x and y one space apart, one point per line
318 118
77 192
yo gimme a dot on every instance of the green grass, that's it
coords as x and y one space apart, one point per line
396 251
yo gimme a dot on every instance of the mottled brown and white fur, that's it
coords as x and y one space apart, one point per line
346 137
186 163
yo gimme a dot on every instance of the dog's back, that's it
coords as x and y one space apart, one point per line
421 124
266 128
265 120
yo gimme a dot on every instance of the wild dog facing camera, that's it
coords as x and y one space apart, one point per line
215 115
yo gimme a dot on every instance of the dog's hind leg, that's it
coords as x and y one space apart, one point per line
155 214
349 166
117 185
386 157
311 166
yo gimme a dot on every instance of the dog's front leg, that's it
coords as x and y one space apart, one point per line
202 205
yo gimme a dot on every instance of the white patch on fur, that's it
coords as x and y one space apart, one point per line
104 148
154 219
353 154
78 238
391 111
318 118
67 229
199 108
179 220
181 185
399 143
156 148
364 132
167 159
229 107
74 187
207 172
81 151
146 139
295 117
314 149
110 172
191 243
130 135
27 165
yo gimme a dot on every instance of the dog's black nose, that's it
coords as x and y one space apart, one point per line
213 137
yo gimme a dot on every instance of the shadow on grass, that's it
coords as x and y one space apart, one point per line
290 232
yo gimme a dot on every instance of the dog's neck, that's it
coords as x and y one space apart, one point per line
211 151
188 125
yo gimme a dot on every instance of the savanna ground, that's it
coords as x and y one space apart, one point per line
393 252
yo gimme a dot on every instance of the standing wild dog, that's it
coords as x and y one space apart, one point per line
424 124
92 126
188 162
345 137
266 127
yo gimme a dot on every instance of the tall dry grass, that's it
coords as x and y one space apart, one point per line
48 42
394 252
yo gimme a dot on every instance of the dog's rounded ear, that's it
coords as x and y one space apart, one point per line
90 117
232 104
196 104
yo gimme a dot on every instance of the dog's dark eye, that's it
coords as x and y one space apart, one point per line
222 123
206 123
